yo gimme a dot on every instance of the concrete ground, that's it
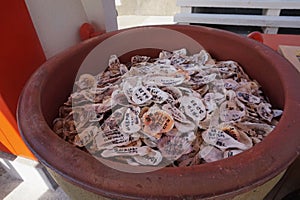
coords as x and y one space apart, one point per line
23 179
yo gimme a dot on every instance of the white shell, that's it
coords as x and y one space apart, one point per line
113 60
221 140
193 107
264 110
158 96
210 153
131 122
141 95
86 81
229 110
175 113
173 148
180 52
165 80
185 126
125 151
153 157
277 112
202 57
232 152
248 98
205 79
86 136
110 139
156 121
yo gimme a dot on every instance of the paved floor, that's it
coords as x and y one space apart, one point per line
12 188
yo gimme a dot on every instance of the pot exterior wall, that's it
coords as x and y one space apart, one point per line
77 193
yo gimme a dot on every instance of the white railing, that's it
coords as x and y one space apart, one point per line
270 20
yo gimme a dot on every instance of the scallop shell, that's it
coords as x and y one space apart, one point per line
232 152
185 126
264 111
166 80
127 86
139 59
123 69
202 80
140 95
230 84
231 110
82 116
232 131
165 55
175 113
114 120
163 69
119 98
222 140
149 141
174 92
158 96
193 107
126 151
58 124
201 58
153 158
86 81
105 106
247 98
255 128
277 112
112 138
131 122
210 153
179 52
113 60
86 136
173 148
156 121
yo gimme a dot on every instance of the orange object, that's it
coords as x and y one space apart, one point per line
21 53
87 31
9 135
256 36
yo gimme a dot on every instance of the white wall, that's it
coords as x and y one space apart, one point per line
57 22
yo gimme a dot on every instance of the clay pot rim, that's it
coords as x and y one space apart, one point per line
107 181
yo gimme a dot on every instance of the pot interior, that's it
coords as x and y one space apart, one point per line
258 66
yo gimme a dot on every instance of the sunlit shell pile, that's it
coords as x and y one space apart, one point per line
177 110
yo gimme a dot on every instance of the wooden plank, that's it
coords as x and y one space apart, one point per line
271 12
292 53
229 19
274 4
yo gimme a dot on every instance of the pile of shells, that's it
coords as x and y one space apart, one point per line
174 110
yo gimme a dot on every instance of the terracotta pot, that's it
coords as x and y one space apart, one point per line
52 83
